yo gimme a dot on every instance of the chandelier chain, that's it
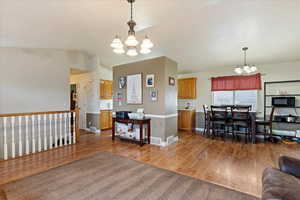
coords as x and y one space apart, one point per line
245 58
131 13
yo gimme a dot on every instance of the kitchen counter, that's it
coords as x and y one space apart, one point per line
191 109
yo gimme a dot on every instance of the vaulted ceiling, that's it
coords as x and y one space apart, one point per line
198 34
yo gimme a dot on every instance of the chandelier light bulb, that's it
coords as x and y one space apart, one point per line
117 43
132 52
247 69
147 44
238 70
253 68
119 51
145 51
131 41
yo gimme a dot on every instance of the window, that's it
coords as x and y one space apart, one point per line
246 97
223 98
237 97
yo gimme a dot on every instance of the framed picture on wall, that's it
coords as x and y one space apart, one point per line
153 95
150 80
172 81
122 82
134 89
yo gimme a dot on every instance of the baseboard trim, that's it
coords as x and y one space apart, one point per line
172 139
159 142
162 116
199 129
97 131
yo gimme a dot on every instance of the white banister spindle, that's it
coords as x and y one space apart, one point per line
69 132
20 137
5 156
74 128
26 135
45 132
13 146
60 130
33 133
65 136
55 130
39 134
50 132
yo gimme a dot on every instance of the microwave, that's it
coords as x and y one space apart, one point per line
284 101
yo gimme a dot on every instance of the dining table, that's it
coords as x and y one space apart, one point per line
253 118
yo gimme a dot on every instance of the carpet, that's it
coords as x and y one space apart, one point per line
107 176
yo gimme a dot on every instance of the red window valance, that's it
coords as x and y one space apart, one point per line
225 83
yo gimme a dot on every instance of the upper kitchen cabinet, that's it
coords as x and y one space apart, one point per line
106 89
187 88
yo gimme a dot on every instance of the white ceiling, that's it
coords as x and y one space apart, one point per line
198 34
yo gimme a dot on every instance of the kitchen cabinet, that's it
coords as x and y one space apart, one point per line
186 120
106 89
187 88
105 119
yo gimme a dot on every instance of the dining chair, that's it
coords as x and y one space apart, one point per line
219 118
243 107
266 123
240 118
206 120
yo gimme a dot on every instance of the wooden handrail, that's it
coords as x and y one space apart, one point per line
35 113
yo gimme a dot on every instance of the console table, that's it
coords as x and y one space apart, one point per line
140 122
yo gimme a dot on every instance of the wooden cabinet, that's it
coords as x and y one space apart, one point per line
187 88
186 120
106 89
105 119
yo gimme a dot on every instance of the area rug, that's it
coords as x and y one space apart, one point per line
107 176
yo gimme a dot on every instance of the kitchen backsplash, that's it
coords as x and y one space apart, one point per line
182 103
287 111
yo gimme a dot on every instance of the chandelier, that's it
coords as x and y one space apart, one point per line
245 69
131 43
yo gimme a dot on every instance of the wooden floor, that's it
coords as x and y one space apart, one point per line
232 164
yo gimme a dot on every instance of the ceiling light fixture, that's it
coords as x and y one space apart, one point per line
245 69
131 42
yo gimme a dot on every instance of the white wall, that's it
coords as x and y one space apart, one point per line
33 80
89 92
273 72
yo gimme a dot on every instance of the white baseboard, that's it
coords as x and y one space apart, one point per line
96 131
172 139
155 141
159 142
199 129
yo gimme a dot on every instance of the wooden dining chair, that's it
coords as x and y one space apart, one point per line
241 119
266 123
219 118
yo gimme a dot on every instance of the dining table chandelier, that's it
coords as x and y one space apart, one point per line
245 69
131 43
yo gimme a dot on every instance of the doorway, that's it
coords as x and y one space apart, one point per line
73 97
